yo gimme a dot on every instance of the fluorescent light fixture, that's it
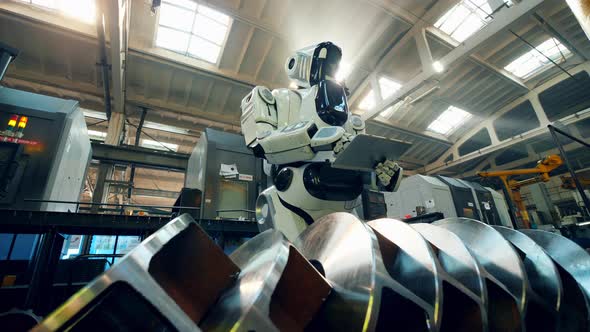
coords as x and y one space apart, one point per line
466 18
438 67
343 71
148 143
83 10
166 128
97 135
94 114
191 29
533 62
449 120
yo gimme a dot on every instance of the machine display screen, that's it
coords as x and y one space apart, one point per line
38 133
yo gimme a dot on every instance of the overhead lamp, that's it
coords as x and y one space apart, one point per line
438 67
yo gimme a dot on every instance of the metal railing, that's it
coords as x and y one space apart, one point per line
119 208
554 131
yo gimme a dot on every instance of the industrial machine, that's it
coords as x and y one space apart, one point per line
501 207
513 186
44 154
422 195
321 159
463 197
341 274
225 176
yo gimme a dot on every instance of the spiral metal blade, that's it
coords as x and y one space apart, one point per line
343 274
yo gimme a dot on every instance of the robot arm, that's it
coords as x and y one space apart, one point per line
269 130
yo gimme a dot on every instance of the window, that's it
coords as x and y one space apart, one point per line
535 61
83 10
97 135
466 18
148 143
192 29
449 120
388 88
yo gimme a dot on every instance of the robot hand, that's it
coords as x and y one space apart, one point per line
343 143
389 174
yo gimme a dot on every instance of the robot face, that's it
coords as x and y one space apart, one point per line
313 64
331 104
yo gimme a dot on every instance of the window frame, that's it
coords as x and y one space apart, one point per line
372 93
453 127
58 11
191 33
474 11
538 55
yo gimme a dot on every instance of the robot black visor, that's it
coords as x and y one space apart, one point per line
331 104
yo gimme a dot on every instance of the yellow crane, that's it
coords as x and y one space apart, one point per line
541 172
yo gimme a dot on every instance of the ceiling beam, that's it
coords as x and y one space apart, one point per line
560 33
155 55
532 96
406 131
440 7
91 100
582 12
396 11
502 20
500 72
117 20
520 162
568 120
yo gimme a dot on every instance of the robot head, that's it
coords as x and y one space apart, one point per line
313 64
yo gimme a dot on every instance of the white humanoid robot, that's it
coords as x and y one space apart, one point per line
301 133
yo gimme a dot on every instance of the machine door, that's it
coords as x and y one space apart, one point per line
233 199
462 197
11 171
488 208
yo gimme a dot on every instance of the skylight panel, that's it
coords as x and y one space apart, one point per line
173 40
83 10
191 29
449 120
176 17
386 86
368 102
209 29
204 49
535 61
466 18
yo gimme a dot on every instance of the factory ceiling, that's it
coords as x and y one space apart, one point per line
432 72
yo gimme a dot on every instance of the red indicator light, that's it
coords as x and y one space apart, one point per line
22 123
